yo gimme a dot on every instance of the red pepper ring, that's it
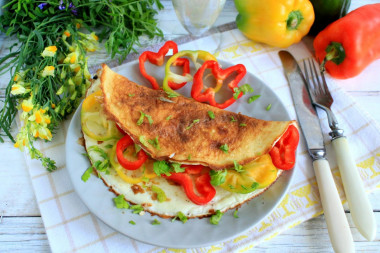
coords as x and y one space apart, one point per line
202 184
120 130
158 59
121 145
220 74
283 153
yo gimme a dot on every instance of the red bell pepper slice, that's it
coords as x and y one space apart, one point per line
158 59
121 145
120 130
283 153
220 75
206 192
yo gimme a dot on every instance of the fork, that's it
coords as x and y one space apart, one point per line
358 202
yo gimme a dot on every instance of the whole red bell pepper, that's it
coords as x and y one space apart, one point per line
283 153
208 95
206 191
351 43
158 59
121 145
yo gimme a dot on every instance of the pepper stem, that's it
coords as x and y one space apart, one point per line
294 20
335 53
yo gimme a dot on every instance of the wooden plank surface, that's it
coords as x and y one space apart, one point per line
22 229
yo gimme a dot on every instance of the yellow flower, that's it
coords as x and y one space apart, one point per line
90 41
49 51
66 34
27 105
22 139
78 25
40 117
48 71
42 132
18 88
71 58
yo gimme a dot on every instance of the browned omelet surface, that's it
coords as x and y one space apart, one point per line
190 136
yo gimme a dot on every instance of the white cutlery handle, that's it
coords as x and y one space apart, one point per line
360 207
337 225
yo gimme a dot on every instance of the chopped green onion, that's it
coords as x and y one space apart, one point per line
87 174
236 214
211 115
141 119
131 95
233 119
194 122
253 98
120 202
169 117
132 222
268 107
156 222
242 125
216 217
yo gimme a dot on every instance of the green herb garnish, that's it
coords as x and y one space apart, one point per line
216 217
132 222
253 98
233 119
224 148
100 165
154 142
194 122
238 167
120 202
181 217
161 167
156 222
268 107
245 88
236 214
242 125
142 140
169 117
171 94
141 119
108 146
218 177
131 95
87 174
137 209
177 167
211 115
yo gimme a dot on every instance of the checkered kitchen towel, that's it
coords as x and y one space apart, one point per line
71 227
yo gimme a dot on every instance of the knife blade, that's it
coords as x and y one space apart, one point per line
337 225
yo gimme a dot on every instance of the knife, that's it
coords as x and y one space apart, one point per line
337 225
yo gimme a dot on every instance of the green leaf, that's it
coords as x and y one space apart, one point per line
216 217
236 214
120 202
268 107
211 115
181 217
218 177
224 148
177 167
156 222
87 174
253 98
238 167
161 167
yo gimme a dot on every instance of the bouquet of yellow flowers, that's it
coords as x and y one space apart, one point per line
49 68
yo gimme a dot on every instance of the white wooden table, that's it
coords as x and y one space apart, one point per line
21 226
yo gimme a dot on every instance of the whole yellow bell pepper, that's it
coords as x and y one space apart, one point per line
278 23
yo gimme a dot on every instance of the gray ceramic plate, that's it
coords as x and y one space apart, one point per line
196 232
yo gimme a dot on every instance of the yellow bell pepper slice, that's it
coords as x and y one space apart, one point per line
257 174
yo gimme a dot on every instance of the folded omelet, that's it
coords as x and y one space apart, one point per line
185 131
186 134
